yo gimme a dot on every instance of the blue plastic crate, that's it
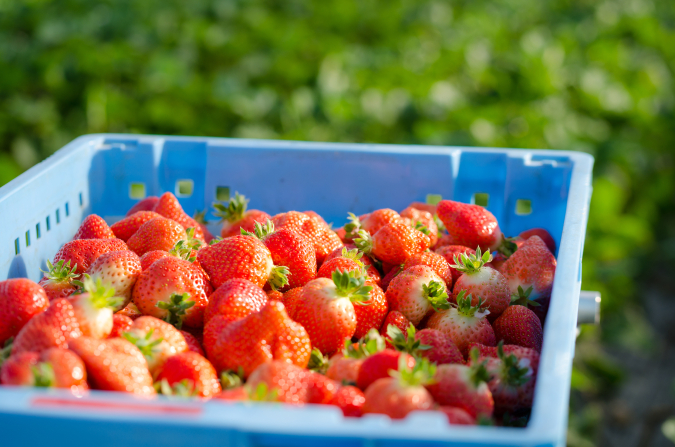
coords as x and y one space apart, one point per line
43 208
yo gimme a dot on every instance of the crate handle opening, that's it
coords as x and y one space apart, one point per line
480 199
47 223
17 249
37 231
222 193
67 209
137 190
184 187
523 207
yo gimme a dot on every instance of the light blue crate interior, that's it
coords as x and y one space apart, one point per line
44 206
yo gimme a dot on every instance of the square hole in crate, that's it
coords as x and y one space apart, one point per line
523 207
137 190
222 193
17 250
47 223
58 217
37 231
28 238
184 187
433 199
67 209
81 201
480 198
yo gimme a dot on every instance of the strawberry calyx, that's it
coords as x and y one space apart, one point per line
260 231
232 211
43 375
437 295
514 371
147 345
184 388
232 379
262 393
6 350
478 372
471 263
353 254
317 362
419 226
200 217
364 241
405 342
421 374
186 248
465 308
352 227
350 284
370 344
507 247
176 308
278 278
215 240
99 295
522 298
60 273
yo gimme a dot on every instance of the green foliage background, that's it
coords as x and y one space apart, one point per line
564 74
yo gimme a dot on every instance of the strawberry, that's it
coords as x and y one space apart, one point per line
130 311
316 232
22 370
83 252
434 345
242 257
119 270
402 393
543 234
342 264
126 227
259 338
320 389
393 243
200 218
94 227
157 340
350 400
212 331
464 387
114 365
94 308
274 295
351 252
457 416
470 225
150 257
54 367
146 204
236 217
156 234
20 300
394 318
291 384
429 208
532 265
344 366
443 241
481 282
388 278
326 309
377 366
518 325
417 217
465 324
193 343
55 327
261 393
449 252
58 280
433 260
371 313
195 370
290 300
236 299
121 324
169 207
417 291
372 222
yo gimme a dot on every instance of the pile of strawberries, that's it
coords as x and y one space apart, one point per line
432 309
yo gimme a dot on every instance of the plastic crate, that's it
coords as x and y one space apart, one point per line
42 209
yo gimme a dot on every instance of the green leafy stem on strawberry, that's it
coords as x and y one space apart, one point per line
176 308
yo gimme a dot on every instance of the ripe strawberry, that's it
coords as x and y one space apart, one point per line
429 208
121 324
402 393
21 370
114 365
434 345
55 327
417 291
350 400
275 295
212 331
457 416
482 282
326 311
443 241
417 217
150 257
373 222
94 227
242 257
378 365
464 387
470 225
434 261
58 280
351 252
290 383
172 289
259 338
543 234
53 368
290 300
94 308
518 325
235 216
371 313
119 270
200 218
449 252
126 227
342 264
316 232
320 389
344 366
130 311
316 216
83 252
397 319
465 324
236 299
393 243
191 367
20 300
156 234
169 207
146 204
532 265
157 340
389 277
193 343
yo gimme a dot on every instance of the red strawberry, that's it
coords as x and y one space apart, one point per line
20 300
434 261
317 233
130 311
482 282
320 389
443 241
169 207
83 252
350 400
417 291
371 313
121 324
150 257
351 252
275 295
235 216
532 265
402 393
173 289
157 340
429 208
393 243
377 366
290 300
212 331
419 217
434 345
200 218
67 368
397 319
55 327
126 227
543 234
193 343
146 204
449 252
21 370
464 387
344 366
94 227
465 324
259 338
94 308
290 383
518 325
325 309
457 416
114 365
119 270
377 219
156 234
58 280
236 299
389 277
470 225
195 370
54 367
